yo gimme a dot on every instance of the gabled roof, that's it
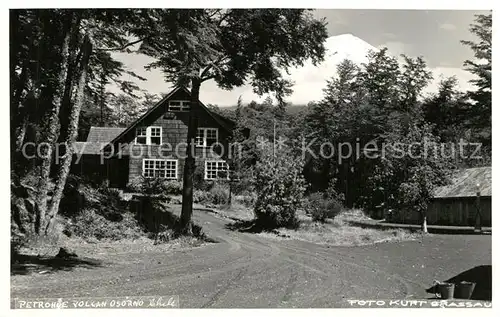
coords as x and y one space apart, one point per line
97 138
225 123
103 134
88 148
464 183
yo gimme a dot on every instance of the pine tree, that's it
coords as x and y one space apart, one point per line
480 112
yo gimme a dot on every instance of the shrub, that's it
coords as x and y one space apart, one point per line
91 225
200 196
155 186
247 199
172 187
135 185
279 185
332 192
79 195
321 207
218 195
243 185
199 181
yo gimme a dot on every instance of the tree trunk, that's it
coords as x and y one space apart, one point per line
20 133
50 136
18 118
69 136
189 166
74 56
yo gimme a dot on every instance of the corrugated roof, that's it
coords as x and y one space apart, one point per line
103 134
464 183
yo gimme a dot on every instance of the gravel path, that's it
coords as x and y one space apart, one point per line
247 271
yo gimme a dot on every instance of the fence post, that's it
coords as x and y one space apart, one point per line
478 218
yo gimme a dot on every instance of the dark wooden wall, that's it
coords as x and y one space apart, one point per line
454 211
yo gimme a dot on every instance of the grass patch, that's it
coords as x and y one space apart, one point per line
339 232
236 211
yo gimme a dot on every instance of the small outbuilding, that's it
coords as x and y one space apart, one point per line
458 204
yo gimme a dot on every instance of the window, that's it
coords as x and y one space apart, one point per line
159 168
155 137
206 136
141 135
216 169
148 135
178 105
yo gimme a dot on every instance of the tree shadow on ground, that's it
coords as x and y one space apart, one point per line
22 264
158 219
249 226
481 275
252 226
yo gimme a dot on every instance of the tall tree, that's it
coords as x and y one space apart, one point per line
228 46
480 112
413 79
70 133
52 127
332 120
55 56
446 111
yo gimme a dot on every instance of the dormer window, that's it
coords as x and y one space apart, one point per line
179 105
148 135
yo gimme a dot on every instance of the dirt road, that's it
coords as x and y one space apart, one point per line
246 270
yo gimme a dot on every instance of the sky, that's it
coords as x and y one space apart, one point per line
433 34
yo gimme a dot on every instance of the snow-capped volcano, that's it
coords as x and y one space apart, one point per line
346 46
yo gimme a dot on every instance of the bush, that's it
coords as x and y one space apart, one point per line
155 186
135 185
322 207
199 181
247 199
279 185
200 196
218 195
97 212
243 185
172 187
91 225
332 192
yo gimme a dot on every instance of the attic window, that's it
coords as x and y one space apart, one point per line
178 105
